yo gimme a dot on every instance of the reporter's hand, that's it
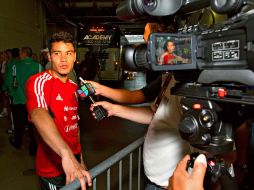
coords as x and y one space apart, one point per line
182 180
97 87
74 170
106 105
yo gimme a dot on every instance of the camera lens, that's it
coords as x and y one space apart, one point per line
150 4
220 3
188 128
225 6
130 9
162 7
134 58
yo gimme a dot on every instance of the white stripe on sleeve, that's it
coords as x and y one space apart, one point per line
38 89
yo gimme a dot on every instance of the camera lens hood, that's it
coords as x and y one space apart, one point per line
161 7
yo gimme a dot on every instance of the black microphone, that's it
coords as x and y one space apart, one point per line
87 90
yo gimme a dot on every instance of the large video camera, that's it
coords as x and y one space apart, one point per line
214 67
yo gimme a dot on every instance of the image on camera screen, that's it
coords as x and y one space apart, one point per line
169 51
172 50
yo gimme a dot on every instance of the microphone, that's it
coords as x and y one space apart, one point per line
87 90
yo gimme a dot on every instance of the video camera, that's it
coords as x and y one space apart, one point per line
214 67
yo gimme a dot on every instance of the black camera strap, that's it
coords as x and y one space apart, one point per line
163 89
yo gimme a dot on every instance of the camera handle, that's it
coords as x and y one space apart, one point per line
217 170
226 181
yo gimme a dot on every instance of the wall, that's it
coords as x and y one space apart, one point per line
22 23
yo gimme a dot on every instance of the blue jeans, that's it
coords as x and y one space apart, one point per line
153 186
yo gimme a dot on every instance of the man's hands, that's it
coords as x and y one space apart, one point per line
182 180
74 170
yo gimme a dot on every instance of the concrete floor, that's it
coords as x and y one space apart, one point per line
99 140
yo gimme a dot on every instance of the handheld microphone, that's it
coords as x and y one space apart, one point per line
87 90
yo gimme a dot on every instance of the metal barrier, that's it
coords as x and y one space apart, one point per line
106 165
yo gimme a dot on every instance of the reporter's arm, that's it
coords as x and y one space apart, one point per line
146 94
137 114
119 95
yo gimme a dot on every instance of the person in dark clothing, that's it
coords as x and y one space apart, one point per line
22 70
89 67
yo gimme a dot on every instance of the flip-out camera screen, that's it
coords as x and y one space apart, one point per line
169 51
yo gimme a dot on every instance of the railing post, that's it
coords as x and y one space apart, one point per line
130 172
106 164
120 174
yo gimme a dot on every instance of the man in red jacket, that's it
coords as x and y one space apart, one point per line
53 108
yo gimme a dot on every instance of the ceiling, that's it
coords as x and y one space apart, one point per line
80 13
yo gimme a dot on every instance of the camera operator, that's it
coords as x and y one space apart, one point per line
163 117
162 137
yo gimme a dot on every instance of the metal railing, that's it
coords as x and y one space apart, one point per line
106 166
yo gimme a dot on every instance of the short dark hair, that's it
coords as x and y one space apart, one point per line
61 37
166 44
15 52
27 50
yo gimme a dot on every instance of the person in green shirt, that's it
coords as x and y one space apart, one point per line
8 77
7 86
22 70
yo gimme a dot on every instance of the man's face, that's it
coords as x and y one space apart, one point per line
62 57
22 55
8 54
170 47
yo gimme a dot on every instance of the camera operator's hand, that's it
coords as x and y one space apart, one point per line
182 180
